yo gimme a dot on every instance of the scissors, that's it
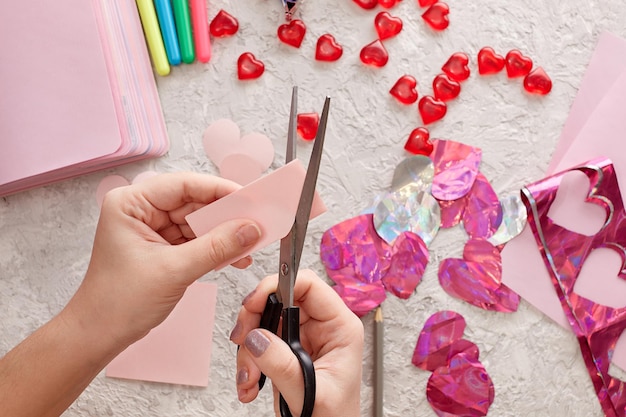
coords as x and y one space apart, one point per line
280 304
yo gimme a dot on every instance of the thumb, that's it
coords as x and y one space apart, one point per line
275 359
223 245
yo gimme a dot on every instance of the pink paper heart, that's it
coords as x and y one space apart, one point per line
240 168
222 138
476 278
440 339
462 388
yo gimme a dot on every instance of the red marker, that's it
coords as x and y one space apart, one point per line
200 26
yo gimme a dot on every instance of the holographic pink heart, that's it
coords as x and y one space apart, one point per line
483 212
462 388
355 244
440 340
409 257
359 297
456 168
476 278
451 211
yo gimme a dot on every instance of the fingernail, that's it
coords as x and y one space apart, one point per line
248 297
248 234
236 332
256 343
242 376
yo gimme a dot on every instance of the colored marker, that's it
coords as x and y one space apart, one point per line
153 36
183 27
168 30
200 24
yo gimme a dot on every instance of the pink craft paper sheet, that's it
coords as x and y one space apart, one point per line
271 201
178 351
523 269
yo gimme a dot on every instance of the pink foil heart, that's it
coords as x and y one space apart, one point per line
456 168
408 261
477 278
360 297
440 339
452 211
483 212
462 388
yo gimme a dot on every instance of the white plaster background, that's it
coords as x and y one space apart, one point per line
46 233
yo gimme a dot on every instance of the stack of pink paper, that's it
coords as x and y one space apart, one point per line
595 128
78 92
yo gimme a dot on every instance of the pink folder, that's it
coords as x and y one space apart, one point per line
78 92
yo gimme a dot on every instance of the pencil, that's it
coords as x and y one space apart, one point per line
379 333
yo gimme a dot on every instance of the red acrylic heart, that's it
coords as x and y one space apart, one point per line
489 62
292 33
404 89
307 125
374 54
388 4
437 16
517 65
456 66
387 26
431 109
445 88
538 82
426 3
419 142
223 24
367 4
248 67
327 48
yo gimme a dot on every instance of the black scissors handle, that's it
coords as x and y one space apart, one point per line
291 335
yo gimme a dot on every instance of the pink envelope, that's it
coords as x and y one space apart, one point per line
178 351
601 136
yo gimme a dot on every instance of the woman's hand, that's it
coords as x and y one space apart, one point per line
329 331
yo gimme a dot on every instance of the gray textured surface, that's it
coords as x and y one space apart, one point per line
535 365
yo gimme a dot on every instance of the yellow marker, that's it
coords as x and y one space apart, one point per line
151 30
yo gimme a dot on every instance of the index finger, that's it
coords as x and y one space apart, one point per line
170 191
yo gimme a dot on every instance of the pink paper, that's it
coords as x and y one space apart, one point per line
600 136
271 201
178 351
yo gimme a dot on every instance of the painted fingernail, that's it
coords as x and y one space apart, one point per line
248 297
236 332
256 342
242 376
248 234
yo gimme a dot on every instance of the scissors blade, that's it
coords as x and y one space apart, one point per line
291 246
293 127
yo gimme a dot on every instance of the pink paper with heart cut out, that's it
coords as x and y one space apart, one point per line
222 141
271 201
565 253
114 181
476 278
440 339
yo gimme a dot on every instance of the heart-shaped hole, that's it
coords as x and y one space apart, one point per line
570 210
599 279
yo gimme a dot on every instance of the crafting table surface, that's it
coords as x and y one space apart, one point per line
535 365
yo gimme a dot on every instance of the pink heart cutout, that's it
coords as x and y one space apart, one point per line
114 181
569 206
600 271
222 139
